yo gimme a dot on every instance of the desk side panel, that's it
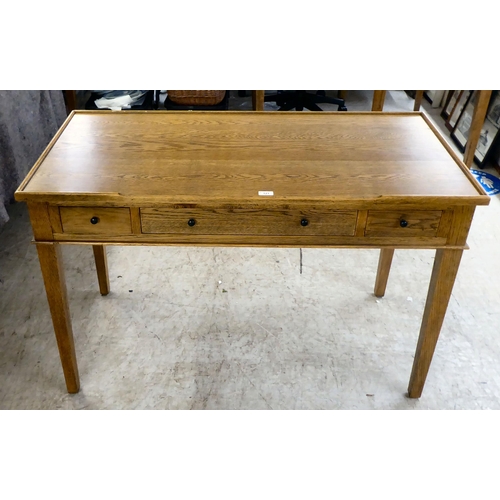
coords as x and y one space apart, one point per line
41 221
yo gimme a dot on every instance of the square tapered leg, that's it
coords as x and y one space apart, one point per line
101 264
50 258
384 266
443 276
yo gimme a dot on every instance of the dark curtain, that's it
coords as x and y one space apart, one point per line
28 121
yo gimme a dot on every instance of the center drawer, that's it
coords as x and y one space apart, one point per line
248 221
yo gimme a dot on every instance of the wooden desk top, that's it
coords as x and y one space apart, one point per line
173 157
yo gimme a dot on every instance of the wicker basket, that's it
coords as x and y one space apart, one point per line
196 97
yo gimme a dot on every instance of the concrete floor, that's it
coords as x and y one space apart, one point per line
226 328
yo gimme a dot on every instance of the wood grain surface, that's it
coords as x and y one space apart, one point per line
388 223
108 221
444 271
213 220
131 157
55 287
384 267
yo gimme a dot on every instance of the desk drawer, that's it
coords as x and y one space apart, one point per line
89 220
395 223
245 221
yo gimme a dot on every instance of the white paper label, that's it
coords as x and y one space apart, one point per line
266 193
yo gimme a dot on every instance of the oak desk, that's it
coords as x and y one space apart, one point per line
365 180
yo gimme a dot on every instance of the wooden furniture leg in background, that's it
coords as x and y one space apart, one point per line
442 279
418 100
50 258
378 100
258 100
101 264
384 266
69 100
478 117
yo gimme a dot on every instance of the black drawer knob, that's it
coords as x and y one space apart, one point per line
94 220
403 223
191 222
304 222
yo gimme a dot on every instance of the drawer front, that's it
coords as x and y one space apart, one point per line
102 221
395 223
242 221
